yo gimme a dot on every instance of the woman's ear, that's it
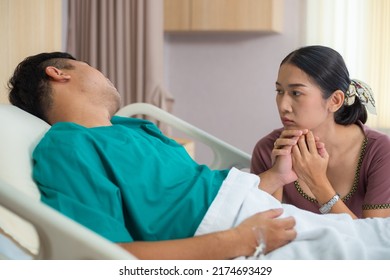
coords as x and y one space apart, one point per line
336 100
56 74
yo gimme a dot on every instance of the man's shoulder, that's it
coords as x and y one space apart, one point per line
127 121
135 124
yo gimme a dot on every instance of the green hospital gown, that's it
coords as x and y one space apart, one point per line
126 182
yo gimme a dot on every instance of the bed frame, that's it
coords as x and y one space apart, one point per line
58 236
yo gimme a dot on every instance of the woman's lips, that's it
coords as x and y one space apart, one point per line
287 122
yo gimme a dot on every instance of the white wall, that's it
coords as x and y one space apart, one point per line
225 83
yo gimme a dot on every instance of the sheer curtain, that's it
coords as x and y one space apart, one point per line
124 40
360 31
378 59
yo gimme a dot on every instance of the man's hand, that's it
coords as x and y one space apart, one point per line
276 232
281 155
281 173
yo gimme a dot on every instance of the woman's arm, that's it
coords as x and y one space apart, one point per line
310 161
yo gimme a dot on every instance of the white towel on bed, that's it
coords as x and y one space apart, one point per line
331 236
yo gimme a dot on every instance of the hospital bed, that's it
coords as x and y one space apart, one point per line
31 230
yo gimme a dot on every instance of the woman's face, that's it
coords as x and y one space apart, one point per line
299 99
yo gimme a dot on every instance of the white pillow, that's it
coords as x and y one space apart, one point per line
20 133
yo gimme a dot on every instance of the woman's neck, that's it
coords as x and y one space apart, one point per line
337 138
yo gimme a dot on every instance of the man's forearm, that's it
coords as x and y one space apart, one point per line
218 246
269 182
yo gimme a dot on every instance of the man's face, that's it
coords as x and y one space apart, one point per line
92 82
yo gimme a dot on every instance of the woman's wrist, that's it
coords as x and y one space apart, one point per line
323 191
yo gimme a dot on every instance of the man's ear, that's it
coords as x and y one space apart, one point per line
56 74
336 100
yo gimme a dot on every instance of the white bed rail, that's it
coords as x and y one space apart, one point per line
225 155
60 238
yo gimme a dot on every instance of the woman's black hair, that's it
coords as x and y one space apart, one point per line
327 68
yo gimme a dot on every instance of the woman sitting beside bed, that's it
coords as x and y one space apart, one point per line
317 99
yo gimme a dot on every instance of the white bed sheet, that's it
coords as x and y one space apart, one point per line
331 236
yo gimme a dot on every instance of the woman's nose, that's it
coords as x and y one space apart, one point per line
283 102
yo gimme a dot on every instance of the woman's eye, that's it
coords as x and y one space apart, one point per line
295 93
279 91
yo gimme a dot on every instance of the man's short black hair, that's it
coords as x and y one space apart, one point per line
29 87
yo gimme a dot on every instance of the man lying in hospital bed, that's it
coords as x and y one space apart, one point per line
123 179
